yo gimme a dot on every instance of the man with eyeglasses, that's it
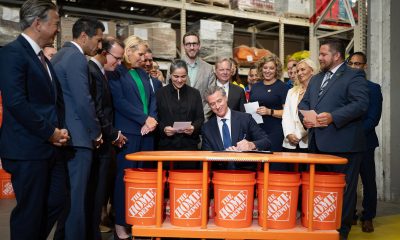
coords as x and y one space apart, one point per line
201 74
106 59
155 83
371 119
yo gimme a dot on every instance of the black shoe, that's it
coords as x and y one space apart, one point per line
367 226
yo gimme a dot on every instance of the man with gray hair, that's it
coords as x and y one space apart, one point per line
235 94
33 124
229 129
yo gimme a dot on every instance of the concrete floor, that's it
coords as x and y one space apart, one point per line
6 205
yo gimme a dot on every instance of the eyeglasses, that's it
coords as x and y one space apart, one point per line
191 44
116 58
357 64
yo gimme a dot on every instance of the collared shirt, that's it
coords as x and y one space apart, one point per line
224 86
98 64
335 68
192 71
79 47
36 48
228 122
151 83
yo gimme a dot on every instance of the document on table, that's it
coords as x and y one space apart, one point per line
311 116
252 108
180 126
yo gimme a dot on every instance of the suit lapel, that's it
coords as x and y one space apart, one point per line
235 128
332 81
35 58
216 133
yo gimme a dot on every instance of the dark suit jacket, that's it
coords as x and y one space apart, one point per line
103 102
129 115
236 98
346 98
242 126
156 84
33 104
71 68
371 119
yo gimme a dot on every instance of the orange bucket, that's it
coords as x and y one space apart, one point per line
328 200
140 194
7 190
234 198
283 194
185 193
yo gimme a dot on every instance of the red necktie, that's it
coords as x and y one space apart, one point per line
43 59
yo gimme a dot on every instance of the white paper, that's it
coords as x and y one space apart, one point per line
252 109
180 126
311 116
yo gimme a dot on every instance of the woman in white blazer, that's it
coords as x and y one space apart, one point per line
293 130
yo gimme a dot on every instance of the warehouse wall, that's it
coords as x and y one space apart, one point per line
395 99
384 59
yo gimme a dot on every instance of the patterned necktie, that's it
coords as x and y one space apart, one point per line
325 82
226 136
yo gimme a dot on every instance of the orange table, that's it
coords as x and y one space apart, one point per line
208 229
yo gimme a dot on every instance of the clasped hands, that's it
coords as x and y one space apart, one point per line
60 137
170 131
149 126
323 120
120 141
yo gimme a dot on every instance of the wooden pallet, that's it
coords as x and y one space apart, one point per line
217 3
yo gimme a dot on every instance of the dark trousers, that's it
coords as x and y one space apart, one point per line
97 188
367 174
72 225
40 190
135 144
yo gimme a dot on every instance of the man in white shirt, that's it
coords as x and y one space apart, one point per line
235 94
230 129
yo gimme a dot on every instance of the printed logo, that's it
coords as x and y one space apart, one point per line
233 204
7 188
142 202
279 205
325 205
187 203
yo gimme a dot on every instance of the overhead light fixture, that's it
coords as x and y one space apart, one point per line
131 8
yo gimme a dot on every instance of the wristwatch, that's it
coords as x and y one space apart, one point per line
272 112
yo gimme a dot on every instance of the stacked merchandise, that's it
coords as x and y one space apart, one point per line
255 5
160 36
216 39
246 55
9 24
294 8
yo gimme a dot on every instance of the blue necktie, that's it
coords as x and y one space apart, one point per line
226 136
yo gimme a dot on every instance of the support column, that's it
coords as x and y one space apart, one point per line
282 43
183 25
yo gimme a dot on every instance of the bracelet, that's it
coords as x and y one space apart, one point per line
272 112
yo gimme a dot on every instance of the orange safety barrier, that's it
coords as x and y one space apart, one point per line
208 228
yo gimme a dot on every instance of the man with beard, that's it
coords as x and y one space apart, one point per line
339 96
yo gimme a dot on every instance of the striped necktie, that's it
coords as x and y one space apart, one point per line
325 82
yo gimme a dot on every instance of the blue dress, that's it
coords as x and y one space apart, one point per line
271 96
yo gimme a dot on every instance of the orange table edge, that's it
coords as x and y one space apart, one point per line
210 230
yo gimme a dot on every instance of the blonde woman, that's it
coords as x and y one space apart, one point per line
295 136
135 115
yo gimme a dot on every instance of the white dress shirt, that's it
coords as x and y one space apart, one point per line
228 122
224 86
